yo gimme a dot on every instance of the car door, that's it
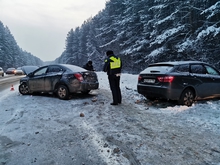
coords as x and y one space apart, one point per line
36 81
53 75
203 83
214 76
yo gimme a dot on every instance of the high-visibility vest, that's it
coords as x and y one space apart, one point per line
115 63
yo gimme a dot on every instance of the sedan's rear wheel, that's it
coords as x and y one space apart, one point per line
23 89
187 97
62 92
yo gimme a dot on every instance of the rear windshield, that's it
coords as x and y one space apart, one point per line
74 68
158 69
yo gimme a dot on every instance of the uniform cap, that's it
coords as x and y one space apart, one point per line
109 52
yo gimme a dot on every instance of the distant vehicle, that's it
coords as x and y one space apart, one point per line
61 79
184 81
18 71
1 72
10 71
29 69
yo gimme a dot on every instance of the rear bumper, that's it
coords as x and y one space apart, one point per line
81 87
160 92
89 86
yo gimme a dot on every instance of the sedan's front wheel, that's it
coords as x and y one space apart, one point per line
62 92
23 89
187 97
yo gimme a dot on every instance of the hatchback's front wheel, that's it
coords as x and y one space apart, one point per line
187 97
23 89
62 92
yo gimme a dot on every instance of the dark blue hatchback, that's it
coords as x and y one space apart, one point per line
184 81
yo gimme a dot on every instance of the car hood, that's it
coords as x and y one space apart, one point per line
29 69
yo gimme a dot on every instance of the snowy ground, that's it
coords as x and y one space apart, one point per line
44 130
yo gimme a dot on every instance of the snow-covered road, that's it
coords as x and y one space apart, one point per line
45 130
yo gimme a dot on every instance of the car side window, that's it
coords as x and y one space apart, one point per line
54 69
182 68
211 70
41 71
197 69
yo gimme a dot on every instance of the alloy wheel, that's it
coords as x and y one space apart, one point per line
187 97
62 92
23 89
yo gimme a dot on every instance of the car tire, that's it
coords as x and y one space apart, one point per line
187 97
23 89
62 92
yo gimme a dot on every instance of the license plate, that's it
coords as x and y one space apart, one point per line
149 80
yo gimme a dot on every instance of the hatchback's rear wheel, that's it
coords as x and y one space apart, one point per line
62 92
23 89
187 97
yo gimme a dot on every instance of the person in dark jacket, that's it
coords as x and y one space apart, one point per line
89 66
113 67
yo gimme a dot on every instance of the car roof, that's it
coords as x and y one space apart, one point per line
177 63
11 69
72 67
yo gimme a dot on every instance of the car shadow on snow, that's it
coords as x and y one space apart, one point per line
161 103
74 96
82 96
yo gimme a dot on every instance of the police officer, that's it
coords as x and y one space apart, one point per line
113 67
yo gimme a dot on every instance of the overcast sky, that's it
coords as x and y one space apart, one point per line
41 26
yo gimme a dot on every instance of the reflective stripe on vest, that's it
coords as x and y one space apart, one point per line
116 63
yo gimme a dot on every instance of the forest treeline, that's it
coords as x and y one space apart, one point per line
11 55
147 31
140 32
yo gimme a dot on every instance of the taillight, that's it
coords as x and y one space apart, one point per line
79 76
139 78
165 79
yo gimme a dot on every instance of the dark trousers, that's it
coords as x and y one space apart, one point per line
114 82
